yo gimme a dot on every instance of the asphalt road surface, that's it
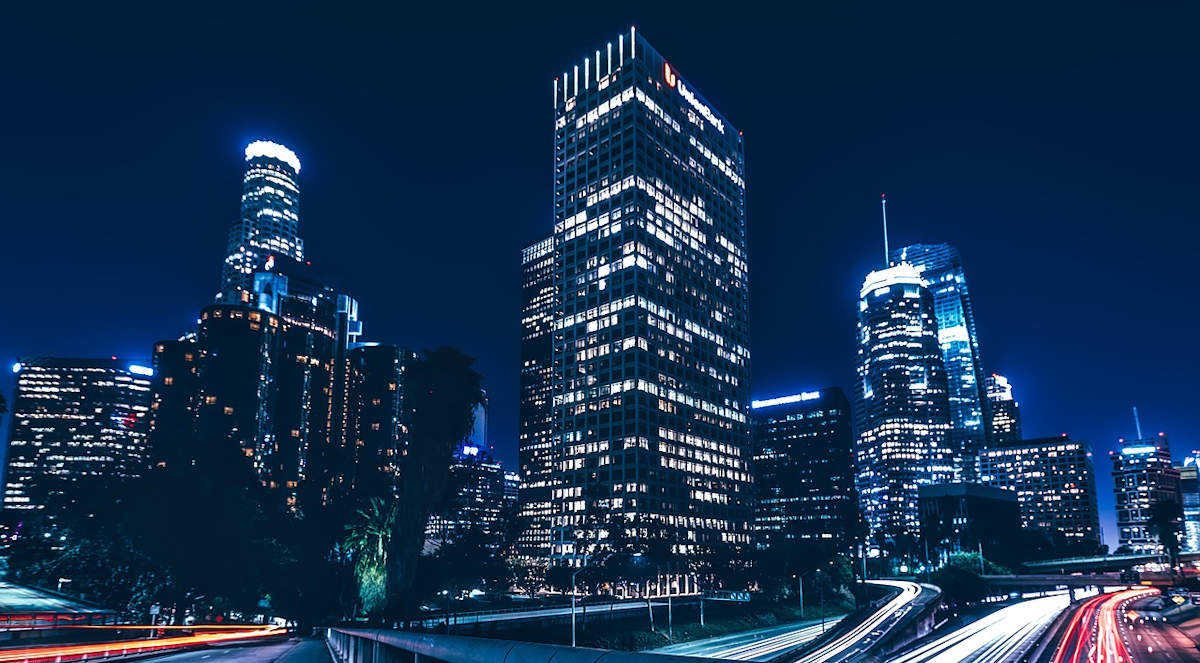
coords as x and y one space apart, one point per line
1152 641
859 640
1098 632
993 638
758 645
310 650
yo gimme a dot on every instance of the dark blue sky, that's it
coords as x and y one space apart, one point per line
1055 147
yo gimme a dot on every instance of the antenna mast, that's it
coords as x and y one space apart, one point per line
887 260
1137 422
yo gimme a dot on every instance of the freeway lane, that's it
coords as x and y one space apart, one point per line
312 650
536 613
758 645
1153 641
861 638
992 638
15 599
1096 634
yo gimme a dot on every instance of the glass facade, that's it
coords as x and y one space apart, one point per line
73 419
649 353
1143 475
269 223
941 267
476 503
903 413
376 435
1004 414
1189 493
803 468
539 301
1055 486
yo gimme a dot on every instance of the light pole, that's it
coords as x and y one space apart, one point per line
576 573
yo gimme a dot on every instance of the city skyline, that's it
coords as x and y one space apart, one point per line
183 280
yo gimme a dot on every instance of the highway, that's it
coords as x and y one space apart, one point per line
758 645
859 639
211 635
535 613
992 638
1154 641
15 599
1098 632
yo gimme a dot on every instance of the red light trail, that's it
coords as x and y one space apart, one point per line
1095 623
217 635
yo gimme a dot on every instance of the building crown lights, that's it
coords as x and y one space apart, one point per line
902 273
784 400
265 148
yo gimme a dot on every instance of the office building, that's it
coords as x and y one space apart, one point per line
173 392
1189 495
649 339
941 267
902 415
476 503
1004 415
969 517
376 433
1143 475
269 223
72 420
804 469
539 297
1055 486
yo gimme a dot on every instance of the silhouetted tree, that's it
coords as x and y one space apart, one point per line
1164 521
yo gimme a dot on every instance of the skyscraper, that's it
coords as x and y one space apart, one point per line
941 267
1055 486
649 345
376 437
477 502
539 301
804 469
269 223
1143 476
74 419
1003 413
1189 495
173 392
903 413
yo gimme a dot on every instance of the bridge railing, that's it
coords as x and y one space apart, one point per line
350 645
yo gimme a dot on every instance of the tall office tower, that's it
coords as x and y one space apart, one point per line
1055 485
173 391
376 437
1189 494
349 329
269 223
903 413
804 469
539 300
649 349
235 402
477 502
941 267
958 517
73 419
1004 415
303 455
1143 476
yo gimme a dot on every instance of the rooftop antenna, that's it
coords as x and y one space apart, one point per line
1137 422
886 253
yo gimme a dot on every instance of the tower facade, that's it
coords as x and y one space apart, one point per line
903 410
804 469
1003 412
1143 476
269 223
940 265
539 301
649 353
73 419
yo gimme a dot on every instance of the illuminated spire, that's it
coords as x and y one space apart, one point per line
883 206
1137 422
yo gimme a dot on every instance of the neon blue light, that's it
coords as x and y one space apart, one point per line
16 367
1129 451
141 370
784 400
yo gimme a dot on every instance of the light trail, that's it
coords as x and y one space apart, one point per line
862 633
1092 634
992 638
123 647
757 645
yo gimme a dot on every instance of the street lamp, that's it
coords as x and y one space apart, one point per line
573 575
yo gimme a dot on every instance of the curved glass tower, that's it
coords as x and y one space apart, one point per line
903 414
269 223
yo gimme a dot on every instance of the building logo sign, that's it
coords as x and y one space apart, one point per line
675 82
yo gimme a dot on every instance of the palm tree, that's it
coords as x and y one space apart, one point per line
369 538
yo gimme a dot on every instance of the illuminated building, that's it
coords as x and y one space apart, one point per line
1189 493
1143 476
941 267
803 468
269 223
376 437
649 353
477 502
1004 415
539 296
73 419
902 415
968 517
173 391
1055 486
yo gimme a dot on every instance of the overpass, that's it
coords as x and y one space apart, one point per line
1099 563
22 606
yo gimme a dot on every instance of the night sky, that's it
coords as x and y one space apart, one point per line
1057 150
